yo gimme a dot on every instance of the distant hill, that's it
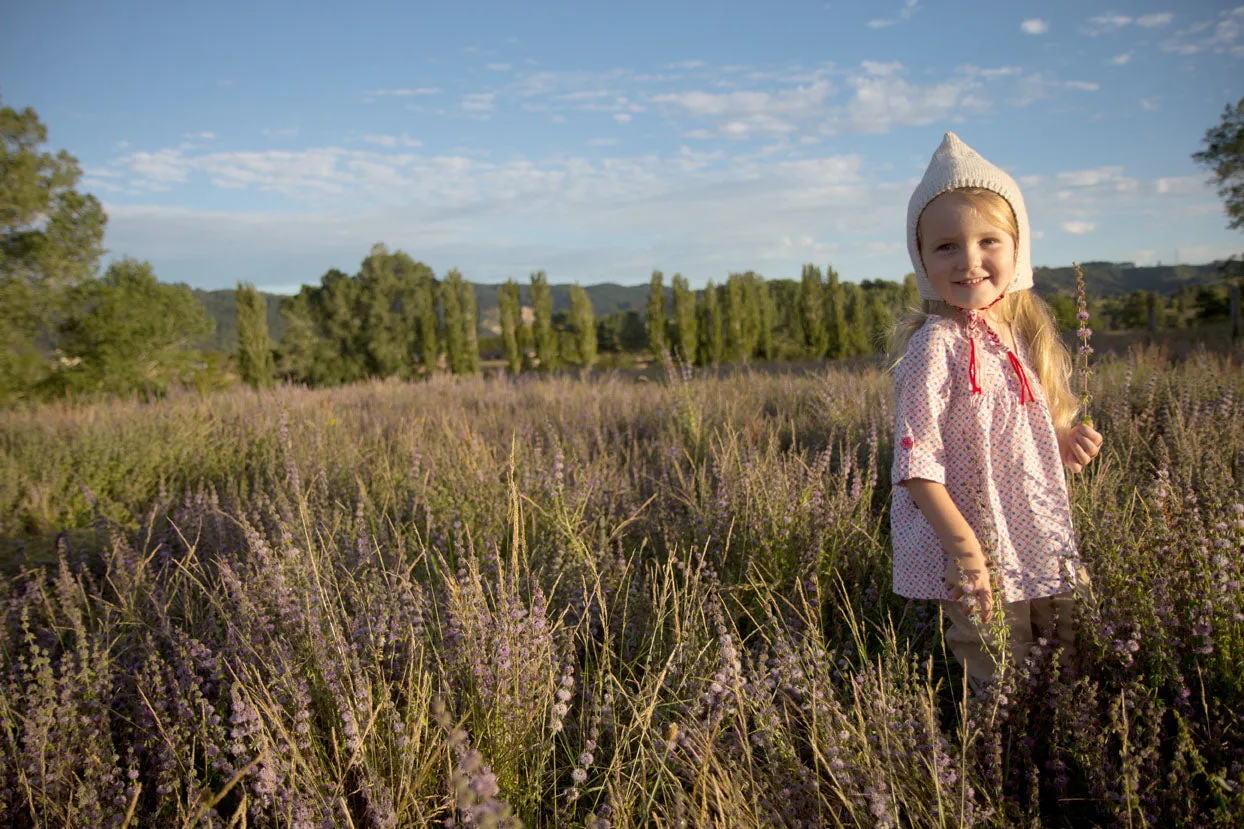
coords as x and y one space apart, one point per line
1102 278
222 307
1117 278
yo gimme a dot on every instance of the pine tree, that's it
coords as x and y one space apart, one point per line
511 319
542 323
470 328
812 310
255 362
684 319
656 315
451 301
584 323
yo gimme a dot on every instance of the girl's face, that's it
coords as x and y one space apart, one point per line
969 261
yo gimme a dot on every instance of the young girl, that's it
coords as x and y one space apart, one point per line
984 421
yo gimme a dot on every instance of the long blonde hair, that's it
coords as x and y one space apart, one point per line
1024 311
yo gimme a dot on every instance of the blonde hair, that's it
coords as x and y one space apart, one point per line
1024 311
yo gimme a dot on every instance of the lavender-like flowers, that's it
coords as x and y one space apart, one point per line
1083 334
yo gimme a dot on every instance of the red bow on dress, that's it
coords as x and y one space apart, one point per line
974 322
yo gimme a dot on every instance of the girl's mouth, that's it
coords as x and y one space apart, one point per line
971 282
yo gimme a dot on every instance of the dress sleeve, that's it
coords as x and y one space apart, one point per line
922 386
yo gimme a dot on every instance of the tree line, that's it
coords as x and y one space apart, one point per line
394 318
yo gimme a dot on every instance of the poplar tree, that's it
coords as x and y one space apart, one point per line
542 322
451 301
511 319
812 310
835 317
766 316
584 323
470 327
733 312
656 314
855 343
255 363
712 344
911 293
685 327
427 296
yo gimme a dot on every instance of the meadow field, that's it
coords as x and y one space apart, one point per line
609 602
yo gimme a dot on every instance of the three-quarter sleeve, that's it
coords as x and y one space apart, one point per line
922 394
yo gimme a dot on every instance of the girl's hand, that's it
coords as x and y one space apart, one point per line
1079 446
968 578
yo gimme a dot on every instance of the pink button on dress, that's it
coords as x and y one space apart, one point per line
997 456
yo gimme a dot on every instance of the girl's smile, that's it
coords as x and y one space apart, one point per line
970 262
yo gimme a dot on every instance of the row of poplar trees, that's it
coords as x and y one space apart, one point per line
748 318
395 319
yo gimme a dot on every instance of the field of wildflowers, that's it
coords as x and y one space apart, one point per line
592 603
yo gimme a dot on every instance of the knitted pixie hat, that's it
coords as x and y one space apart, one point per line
956 165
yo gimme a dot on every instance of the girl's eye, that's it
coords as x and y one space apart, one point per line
945 246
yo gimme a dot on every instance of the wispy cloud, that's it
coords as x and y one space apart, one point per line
1083 86
200 136
1225 35
1105 24
904 14
1079 228
288 132
479 102
405 93
1034 26
1121 60
498 67
1153 21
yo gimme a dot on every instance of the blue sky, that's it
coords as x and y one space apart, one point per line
270 141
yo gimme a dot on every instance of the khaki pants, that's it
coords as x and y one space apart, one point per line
1049 616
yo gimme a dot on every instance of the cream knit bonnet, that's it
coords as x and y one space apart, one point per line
956 165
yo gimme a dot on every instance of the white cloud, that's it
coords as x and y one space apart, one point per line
1079 227
1121 60
1034 26
1149 105
881 102
1153 21
1083 86
479 102
498 67
406 93
622 117
685 64
200 136
905 13
1105 23
601 142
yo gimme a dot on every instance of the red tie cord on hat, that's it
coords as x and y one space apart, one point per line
1025 390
